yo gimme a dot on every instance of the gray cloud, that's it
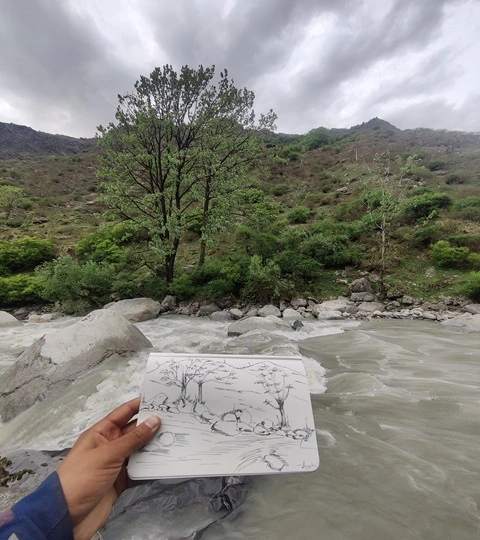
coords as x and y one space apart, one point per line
316 62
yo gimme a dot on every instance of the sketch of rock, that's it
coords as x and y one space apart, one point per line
226 428
245 417
167 438
274 461
245 428
232 416
260 429
303 434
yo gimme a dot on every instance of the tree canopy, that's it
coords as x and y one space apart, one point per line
182 149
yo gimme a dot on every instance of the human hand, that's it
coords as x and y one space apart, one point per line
93 474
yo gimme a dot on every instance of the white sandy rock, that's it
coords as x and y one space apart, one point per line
268 323
474 309
329 315
465 323
136 309
221 316
370 307
59 358
8 320
290 314
269 310
236 314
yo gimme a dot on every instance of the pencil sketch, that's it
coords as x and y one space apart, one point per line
224 415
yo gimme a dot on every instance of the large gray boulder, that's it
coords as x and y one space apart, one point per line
370 307
290 314
221 316
269 310
474 309
340 304
136 309
463 323
8 320
361 285
57 359
269 323
330 315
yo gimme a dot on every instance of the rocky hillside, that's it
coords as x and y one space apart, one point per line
17 141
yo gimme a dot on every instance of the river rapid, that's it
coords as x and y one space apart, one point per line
396 407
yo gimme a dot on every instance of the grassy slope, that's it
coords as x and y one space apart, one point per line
63 191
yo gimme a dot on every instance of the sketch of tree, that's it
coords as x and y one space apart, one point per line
211 371
274 381
179 374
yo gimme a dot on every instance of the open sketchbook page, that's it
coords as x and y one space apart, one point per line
226 415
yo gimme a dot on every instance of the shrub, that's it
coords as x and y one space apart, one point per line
472 287
444 255
19 289
428 235
472 241
75 286
257 243
436 165
182 286
107 244
24 254
468 208
425 205
454 179
280 189
263 283
299 214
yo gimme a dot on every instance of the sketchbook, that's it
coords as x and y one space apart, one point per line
226 415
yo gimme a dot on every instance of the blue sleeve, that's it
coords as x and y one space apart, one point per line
42 515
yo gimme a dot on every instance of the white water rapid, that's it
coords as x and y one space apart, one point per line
396 407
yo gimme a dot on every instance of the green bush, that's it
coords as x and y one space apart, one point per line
19 289
299 214
472 241
76 286
468 208
182 286
280 189
472 287
107 244
436 165
428 235
425 205
444 255
24 254
318 137
256 242
263 283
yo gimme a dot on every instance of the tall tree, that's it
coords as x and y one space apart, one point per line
181 148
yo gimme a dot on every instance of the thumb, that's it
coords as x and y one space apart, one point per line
135 439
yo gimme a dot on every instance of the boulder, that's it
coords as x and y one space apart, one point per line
269 310
136 309
329 315
236 313
340 304
465 323
8 320
298 302
221 316
407 300
362 297
473 309
290 314
57 359
370 307
21 313
208 309
44 317
269 323
361 285
169 302
252 313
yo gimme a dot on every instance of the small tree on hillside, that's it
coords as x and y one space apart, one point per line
10 198
383 202
181 147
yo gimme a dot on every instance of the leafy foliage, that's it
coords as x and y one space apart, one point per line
19 289
24 254
76 287
299 214
425 206
444 255
472 287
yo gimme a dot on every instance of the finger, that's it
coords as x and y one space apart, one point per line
135 439
129 427
121 415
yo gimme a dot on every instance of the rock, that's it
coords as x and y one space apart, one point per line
290 314
298 302
57 359
340 304
351 310
296 325
188 308
8 320
407 300
252 313
430 272
361 285
429 315
370 307
283 306
169 302
236 314
269 323
362 297
44 317
207 309
21 313
329 315
465 323
136 309
473 309
268 310
221 316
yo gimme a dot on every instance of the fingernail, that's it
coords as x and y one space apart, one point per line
152 422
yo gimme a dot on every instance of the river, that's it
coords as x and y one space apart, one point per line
396 407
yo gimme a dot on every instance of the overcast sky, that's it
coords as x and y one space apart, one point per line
333 63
